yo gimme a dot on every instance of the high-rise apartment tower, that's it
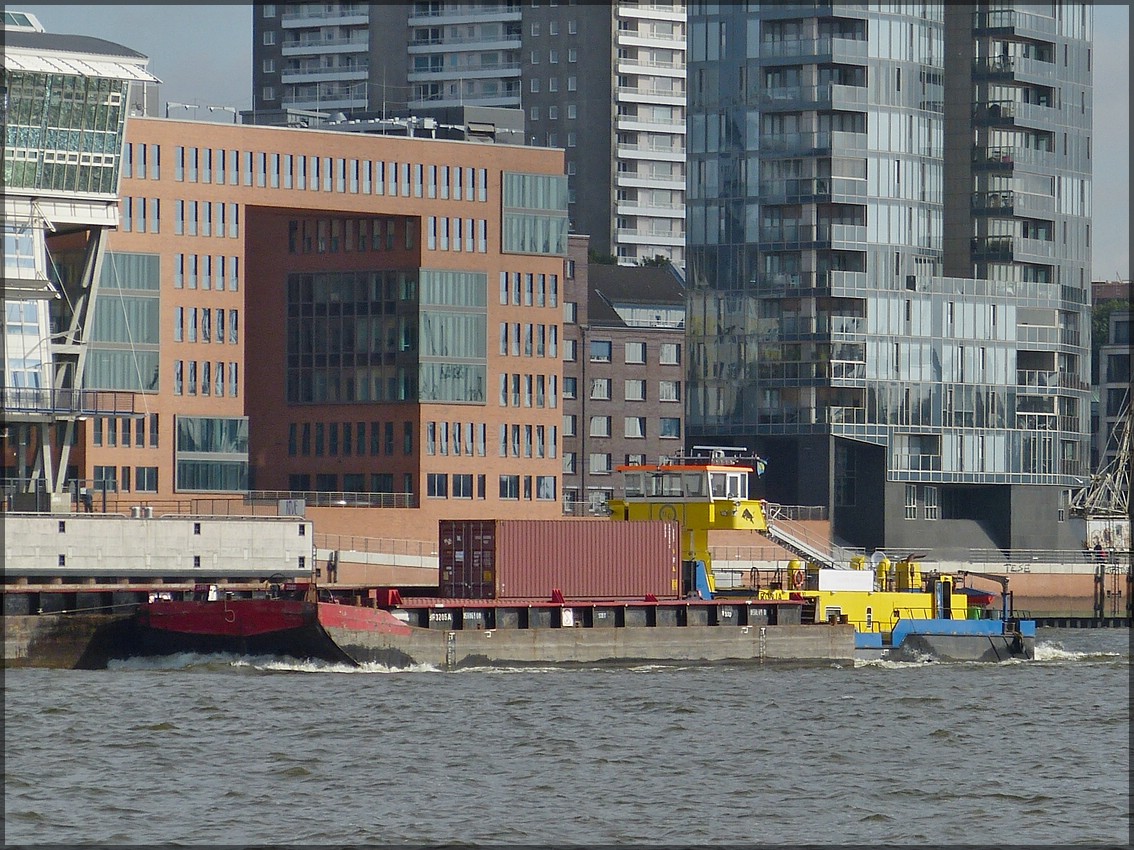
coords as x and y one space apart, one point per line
606 82
888 247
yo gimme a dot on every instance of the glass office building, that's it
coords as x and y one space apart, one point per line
888 254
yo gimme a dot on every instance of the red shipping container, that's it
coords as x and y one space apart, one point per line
582 558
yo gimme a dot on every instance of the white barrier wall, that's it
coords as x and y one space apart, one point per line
167 546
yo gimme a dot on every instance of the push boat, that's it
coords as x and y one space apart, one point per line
899 612
814 610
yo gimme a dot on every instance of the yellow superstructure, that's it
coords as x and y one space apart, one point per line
700 496
712 493
882 596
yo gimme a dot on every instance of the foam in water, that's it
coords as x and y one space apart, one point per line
1046 651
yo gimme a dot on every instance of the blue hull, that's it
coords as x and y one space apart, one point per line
950 640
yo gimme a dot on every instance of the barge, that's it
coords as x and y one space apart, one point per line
385 630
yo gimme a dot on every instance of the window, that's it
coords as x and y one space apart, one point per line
570 350
600 426
545 487
931 510
600 388
600 464
670 354
568 425
145 479
600 351
635 427
669 391
509 487
635 352
462 486
669 427
635 390
437 485
911 501
569 387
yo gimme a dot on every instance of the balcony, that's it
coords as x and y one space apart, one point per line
1005 158
462 13
994 66
465 71
992 247
652 94
495 41
853 234
648 38
629 65
641 122
315 46
343 16
995 111
649 236
845 415
917 463
844 371
1001 202
649 209
1013 20
321 75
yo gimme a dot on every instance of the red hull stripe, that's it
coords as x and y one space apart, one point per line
227 617
358 619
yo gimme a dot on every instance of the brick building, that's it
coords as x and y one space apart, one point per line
338 317
623 373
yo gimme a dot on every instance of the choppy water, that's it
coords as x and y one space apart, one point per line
227 751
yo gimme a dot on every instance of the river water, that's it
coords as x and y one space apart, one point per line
227 751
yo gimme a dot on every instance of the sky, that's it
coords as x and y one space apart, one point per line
203 55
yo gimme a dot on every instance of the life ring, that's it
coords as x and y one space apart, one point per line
797 579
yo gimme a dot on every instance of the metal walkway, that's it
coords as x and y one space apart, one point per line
799 541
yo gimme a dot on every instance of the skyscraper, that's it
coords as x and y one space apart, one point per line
888 248
606 82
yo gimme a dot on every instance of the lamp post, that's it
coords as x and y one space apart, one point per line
231 109
170 103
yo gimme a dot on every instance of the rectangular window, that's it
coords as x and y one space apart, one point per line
931 509
600 351
635 352
600 388
669 391
600 464
635 390
635 427
509 487
911 501
462 486
670 354
145 479
437 485
600 426
669 428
